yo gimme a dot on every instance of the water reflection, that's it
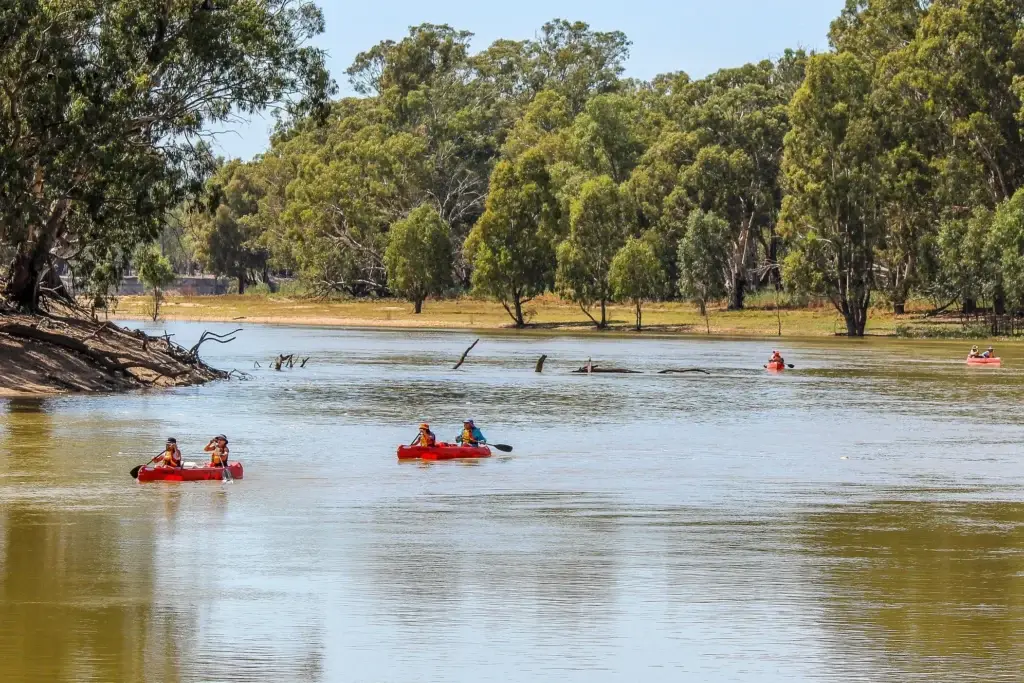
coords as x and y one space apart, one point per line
931 589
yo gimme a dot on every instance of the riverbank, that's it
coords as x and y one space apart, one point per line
46 355
546 313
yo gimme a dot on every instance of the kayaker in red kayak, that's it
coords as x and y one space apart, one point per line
776 358
974 353
425 438
471 435
218 450
990 353
171 457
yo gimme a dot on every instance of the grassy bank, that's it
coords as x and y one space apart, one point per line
759 319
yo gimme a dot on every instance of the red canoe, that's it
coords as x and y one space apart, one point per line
442 451
776 367
188 473
984 361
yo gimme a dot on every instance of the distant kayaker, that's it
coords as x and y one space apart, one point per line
776 358
171 456
425 438
471 435
218 450
974 352
989 353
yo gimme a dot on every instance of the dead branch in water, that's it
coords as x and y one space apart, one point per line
212 336
304 361
680 371
464 354
591 368
540 364
283 360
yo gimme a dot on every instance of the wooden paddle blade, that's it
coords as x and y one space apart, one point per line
502 447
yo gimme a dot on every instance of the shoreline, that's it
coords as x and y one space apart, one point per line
548 316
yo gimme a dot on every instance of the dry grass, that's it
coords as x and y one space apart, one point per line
759 319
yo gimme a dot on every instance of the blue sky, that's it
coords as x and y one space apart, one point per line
695 36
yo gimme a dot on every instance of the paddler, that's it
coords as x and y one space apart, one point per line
425 438
974 352
471 435
777 358
218 450
171 457
989 353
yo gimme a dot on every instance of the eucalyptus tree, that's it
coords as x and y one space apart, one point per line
105 104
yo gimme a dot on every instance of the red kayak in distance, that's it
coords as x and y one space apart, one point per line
776 367
985 361
442 451
151 473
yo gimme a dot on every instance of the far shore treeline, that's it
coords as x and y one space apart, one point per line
889 167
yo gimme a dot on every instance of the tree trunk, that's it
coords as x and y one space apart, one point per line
739 283
999 302
899 307
26 271
970 306
604 315
856 315
418 305
639 317
520 323
156 303
241 282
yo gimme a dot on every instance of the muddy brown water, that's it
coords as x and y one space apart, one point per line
859 518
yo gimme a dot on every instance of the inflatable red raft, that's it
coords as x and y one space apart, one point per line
151 473
985 361
776 367
442 451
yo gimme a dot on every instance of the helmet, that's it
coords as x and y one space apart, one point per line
172 440
424 425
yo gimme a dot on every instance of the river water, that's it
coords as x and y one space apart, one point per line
859 518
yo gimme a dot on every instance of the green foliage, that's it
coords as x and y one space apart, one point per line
510 247
704 260
419 256
155 273
636 275
103 105
599 225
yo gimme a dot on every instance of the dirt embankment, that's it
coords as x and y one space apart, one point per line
42 355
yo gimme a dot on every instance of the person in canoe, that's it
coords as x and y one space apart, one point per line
974 352
425 438
471 435
218 450
777 358
171 457
989 353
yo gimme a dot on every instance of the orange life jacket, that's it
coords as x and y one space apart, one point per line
171 459
427 440
218 456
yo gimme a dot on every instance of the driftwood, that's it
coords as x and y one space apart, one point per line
238 374
540 364
304 361
680 371
211 336
591 368
283 360
464 354
107 359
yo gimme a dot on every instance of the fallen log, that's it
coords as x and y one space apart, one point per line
464 354
591 368
680 371
211 336
109 360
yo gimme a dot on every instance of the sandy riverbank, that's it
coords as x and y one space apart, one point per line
547 313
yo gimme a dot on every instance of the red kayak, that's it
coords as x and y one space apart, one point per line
985 361
776 367
151 473
442 451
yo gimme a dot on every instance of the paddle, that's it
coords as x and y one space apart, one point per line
788 365
501 447
135 470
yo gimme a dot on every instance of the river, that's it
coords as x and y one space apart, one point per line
858 518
